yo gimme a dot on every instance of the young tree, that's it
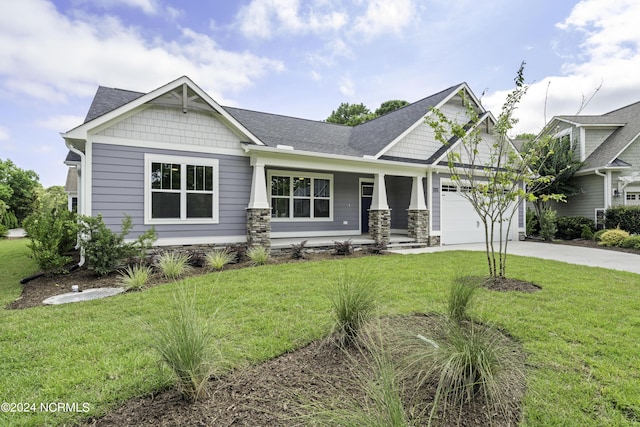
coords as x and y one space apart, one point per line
494 177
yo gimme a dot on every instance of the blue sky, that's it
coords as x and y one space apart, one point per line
303 58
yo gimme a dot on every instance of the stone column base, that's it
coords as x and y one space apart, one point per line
418 225
259 227
433 241
380 225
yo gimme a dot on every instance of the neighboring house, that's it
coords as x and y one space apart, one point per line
609 147
201 173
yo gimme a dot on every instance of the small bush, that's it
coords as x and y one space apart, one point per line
173 265
378 248
186 345
259 255
240 250
571 227
135 278
10 220
631 242
598 235
624 217
533 227
613 237
52 234
3 231
217 259
460 295
587 232
299 251
548 226
353 303
343 248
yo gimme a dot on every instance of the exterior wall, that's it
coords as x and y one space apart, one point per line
593 139
346 197
169 125
118 189
421 143
399 199
435 202
590 198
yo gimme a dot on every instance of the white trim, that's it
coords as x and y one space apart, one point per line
417 194
379 201
185 241
196 161
362 181
140 143
287 234
301 174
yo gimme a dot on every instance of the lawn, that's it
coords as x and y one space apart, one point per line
581 331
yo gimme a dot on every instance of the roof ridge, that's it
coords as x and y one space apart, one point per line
285 116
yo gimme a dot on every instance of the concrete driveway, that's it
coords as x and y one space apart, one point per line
571 254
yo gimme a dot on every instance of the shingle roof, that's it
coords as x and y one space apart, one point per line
368 138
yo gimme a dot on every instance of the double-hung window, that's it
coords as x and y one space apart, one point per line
301 196
180 189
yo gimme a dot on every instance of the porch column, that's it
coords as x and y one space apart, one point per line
379 213
258 210
418 214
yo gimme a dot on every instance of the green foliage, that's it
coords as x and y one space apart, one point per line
105 249
52 234
460 295
135 278
173 265
613 237
571 227
548 226
350 114
53 198
587 232
217 259
389 106
186 344
18 189
598 235
353 303
3 231
624 217
259 255
533 226
631 242
10 220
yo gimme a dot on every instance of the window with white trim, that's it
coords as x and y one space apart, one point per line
180 189
301 196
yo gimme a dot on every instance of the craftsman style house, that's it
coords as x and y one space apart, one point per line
201 173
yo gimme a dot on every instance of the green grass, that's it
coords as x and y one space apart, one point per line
580 331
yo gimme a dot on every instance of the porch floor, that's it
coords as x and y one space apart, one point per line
328 241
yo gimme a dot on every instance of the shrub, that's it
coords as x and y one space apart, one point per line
460 295
598 235
624 217
343 248
353 303
135 278
259 255
548 224
571 227
173 265
240 250
533 226
217 259
631 242
3 231
298 251
52 235
587 232
9 220
613 237
186 345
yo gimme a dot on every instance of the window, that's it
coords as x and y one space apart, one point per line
295 196
180 189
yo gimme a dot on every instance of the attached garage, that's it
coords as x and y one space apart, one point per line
459 221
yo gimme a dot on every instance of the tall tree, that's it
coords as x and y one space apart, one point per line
494 177
350 114
22 185
389 106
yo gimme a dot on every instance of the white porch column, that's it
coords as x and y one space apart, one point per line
258 198
379 199
417 195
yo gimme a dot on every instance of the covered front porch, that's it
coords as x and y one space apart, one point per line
396 241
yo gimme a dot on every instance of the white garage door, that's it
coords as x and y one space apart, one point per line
459 222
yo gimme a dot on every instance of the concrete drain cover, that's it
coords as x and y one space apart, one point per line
87 294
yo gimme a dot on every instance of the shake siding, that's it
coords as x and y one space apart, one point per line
346 196
594 138
118 189
632 156
399 198
587 201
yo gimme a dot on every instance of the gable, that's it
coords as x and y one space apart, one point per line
594 137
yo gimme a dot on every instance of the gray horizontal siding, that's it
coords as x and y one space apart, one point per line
590 198
118 189
399 198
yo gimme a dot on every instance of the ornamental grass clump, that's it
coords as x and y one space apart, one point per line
460 296
353 303
217 259
135 278
259 255
186 344
173 265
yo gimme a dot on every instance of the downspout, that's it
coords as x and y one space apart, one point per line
607 190
81 196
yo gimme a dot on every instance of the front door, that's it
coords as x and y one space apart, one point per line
366 195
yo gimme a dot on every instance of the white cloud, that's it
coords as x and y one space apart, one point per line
263 18
384 16
608 56
61 123
4 134
53 57
149 7
346 86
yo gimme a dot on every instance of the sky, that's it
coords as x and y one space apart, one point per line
303 58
